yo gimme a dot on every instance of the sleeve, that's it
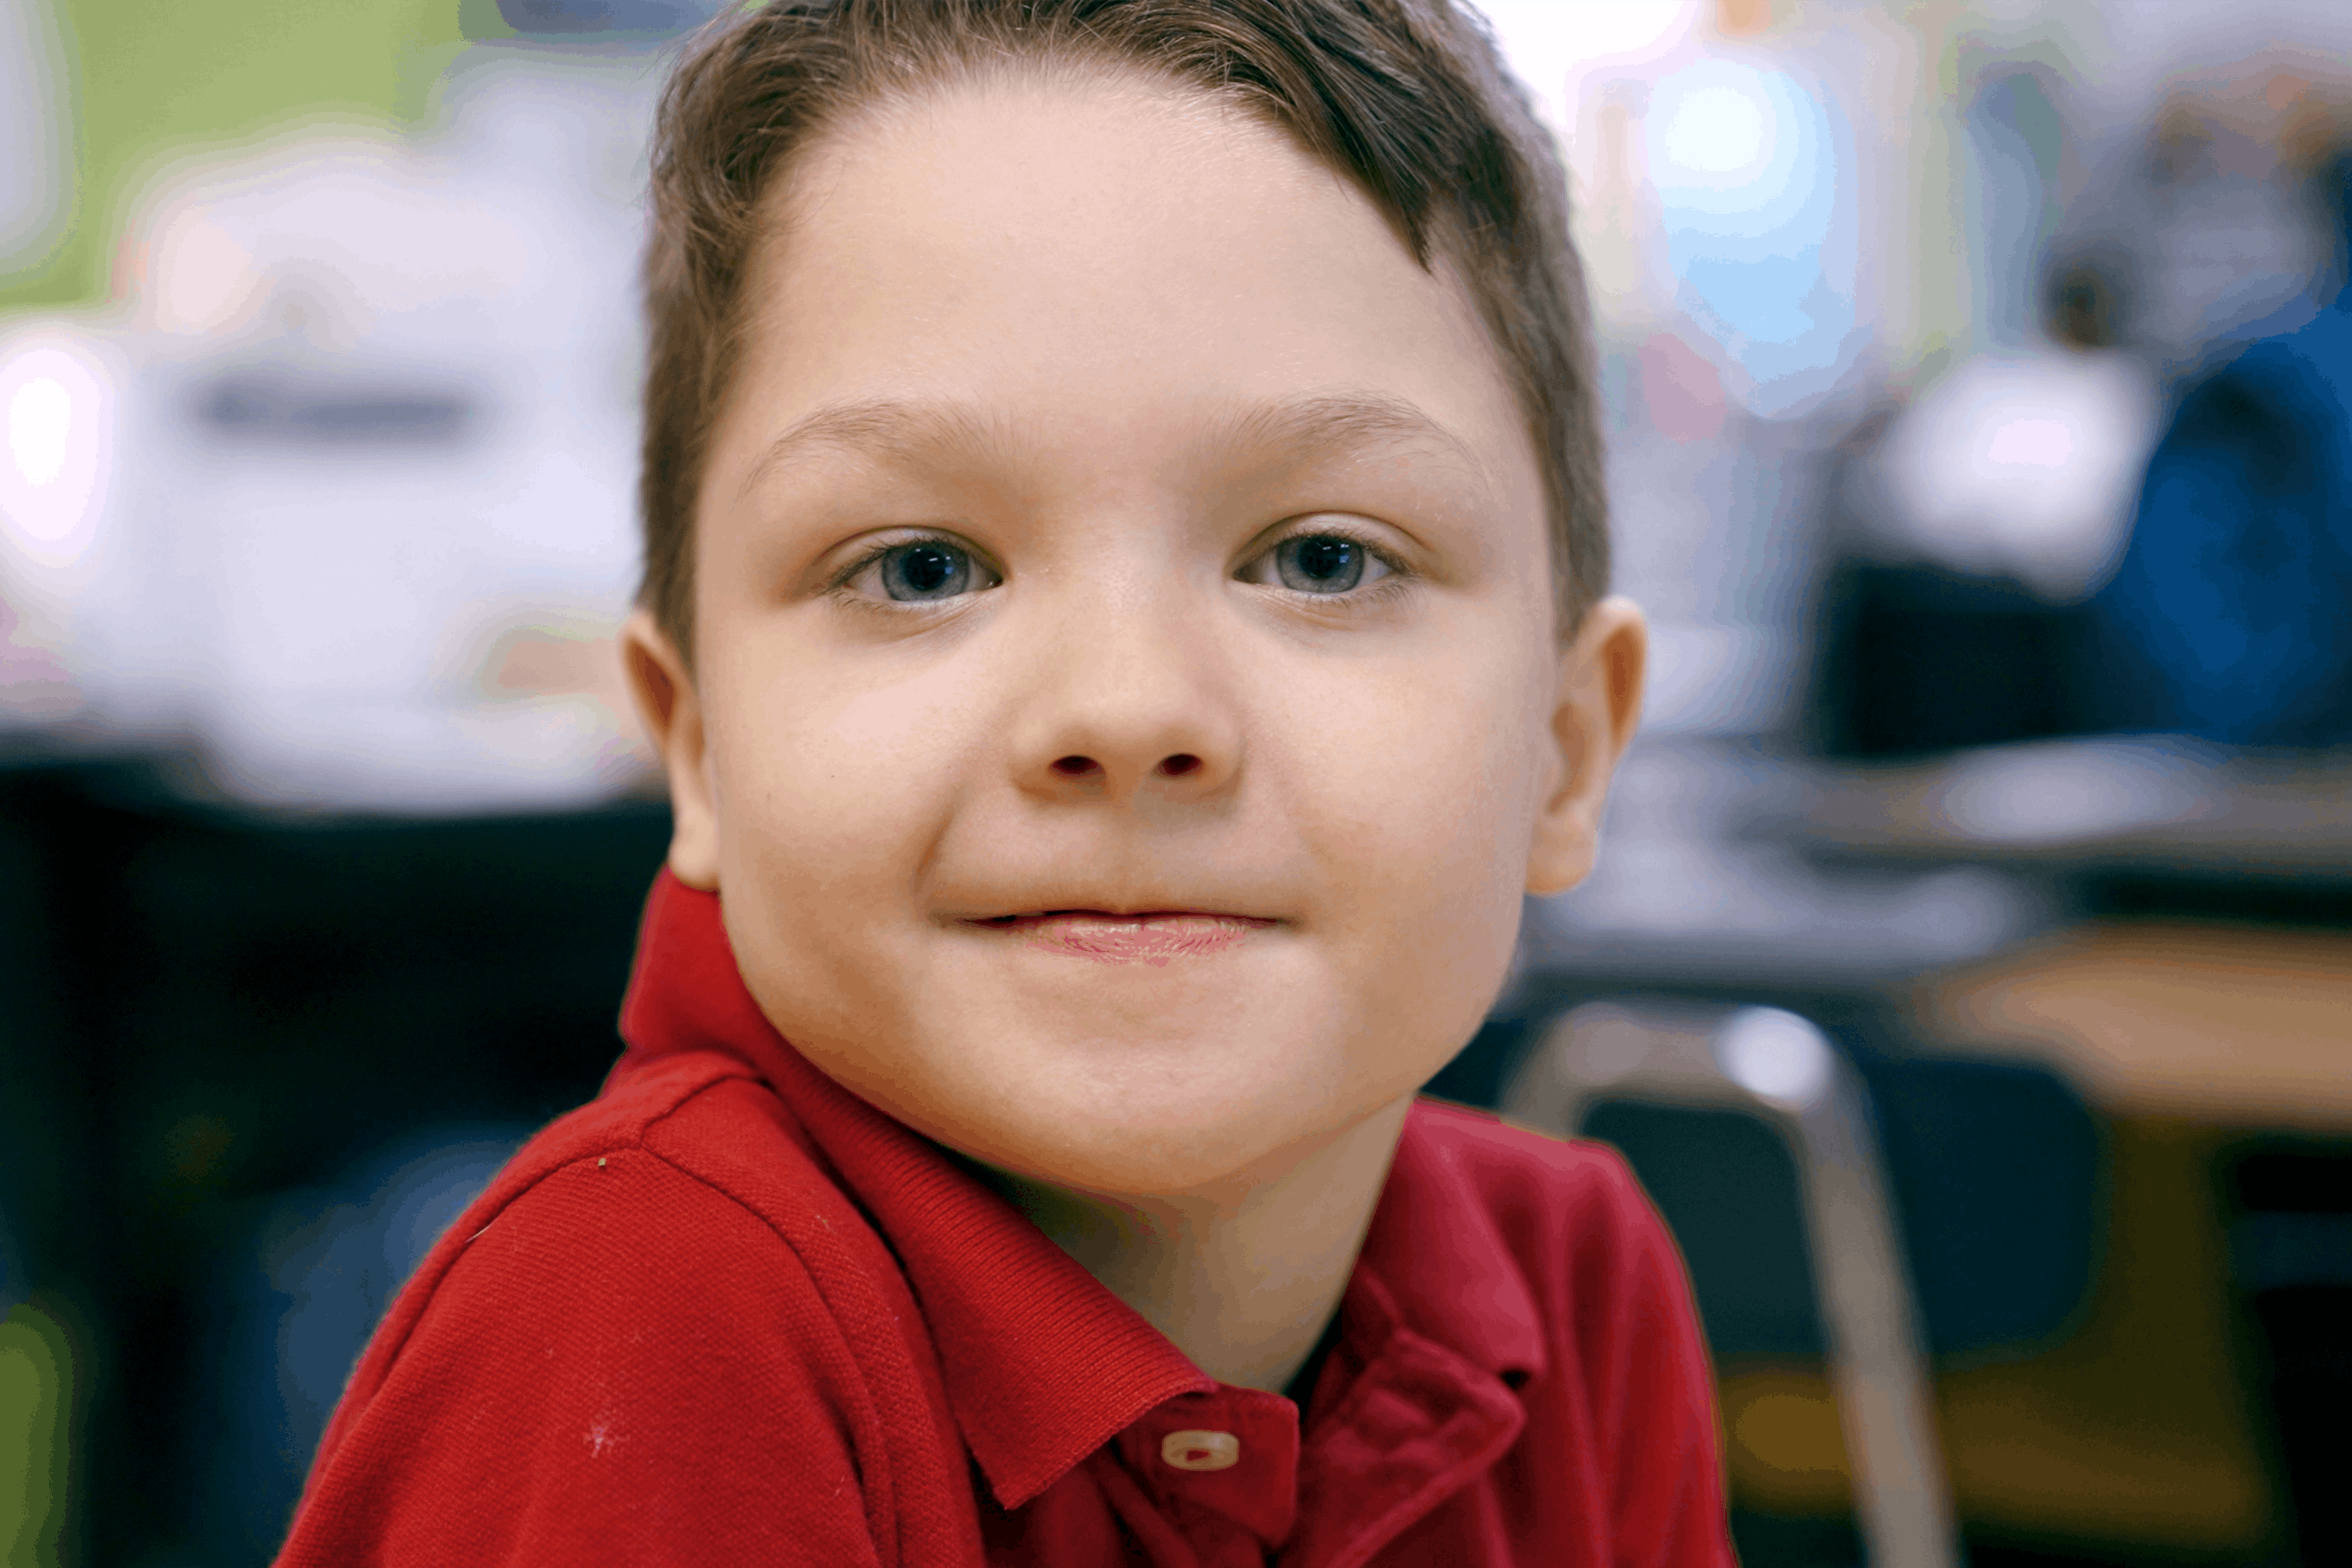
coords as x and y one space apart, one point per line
624 1365
1653 1390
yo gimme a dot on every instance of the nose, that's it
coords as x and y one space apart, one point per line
1126 704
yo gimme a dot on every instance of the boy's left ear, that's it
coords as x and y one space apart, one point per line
1593 717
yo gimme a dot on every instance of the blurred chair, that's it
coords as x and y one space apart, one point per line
2198 1402
1654 1074
2292 1246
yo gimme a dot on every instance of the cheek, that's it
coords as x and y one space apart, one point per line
835 740
1426 766
1416 792
831 792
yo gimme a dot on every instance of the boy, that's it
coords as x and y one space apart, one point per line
1123 540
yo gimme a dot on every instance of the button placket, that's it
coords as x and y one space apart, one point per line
1419 1423
1219 1461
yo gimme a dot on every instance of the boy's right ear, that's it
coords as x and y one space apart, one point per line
671 712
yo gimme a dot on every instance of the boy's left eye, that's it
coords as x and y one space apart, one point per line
1317 564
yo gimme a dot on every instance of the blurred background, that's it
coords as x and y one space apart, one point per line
1968 973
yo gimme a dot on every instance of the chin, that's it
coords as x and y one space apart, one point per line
1165 1145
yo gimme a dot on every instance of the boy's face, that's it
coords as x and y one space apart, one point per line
1126 710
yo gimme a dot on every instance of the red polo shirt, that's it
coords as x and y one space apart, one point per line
729 1312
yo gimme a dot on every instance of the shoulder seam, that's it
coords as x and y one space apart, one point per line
632 1139
818 1281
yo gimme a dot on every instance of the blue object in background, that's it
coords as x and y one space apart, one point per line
2235 593
296 1306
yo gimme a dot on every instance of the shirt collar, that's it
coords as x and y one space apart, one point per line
1042 1364
1434 1248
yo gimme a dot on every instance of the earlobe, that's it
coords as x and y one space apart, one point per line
1594 713
671 710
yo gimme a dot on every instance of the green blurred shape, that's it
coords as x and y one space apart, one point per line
36 1373
482 19
153 80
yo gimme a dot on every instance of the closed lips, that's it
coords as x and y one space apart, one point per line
1156 938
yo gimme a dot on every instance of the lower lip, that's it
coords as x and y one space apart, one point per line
1156 939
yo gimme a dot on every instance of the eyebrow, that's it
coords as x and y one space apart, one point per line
911 429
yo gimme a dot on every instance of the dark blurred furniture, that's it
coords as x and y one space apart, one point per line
2059 1120
2219 1054
203 1008
1914 659
2292 1240
2123 825
2203 1003
1755 1140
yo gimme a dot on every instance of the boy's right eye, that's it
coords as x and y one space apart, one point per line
919 571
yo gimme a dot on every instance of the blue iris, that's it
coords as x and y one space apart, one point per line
1319 563
928 570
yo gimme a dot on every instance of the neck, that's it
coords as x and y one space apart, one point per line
1243 1277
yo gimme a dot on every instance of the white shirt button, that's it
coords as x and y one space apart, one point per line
1202 1450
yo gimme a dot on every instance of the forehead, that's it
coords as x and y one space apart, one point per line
1134 267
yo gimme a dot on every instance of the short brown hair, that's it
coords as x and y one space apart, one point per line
1406 98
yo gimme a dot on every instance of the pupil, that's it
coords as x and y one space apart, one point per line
1326 558
1320 564
925 569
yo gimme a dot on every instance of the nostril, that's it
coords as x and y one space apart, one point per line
1074 766
1178 765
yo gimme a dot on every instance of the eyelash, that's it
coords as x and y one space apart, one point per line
1400 580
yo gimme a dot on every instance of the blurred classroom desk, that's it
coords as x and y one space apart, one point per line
2200 1001
2149 1008
2269 825
2206 1023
